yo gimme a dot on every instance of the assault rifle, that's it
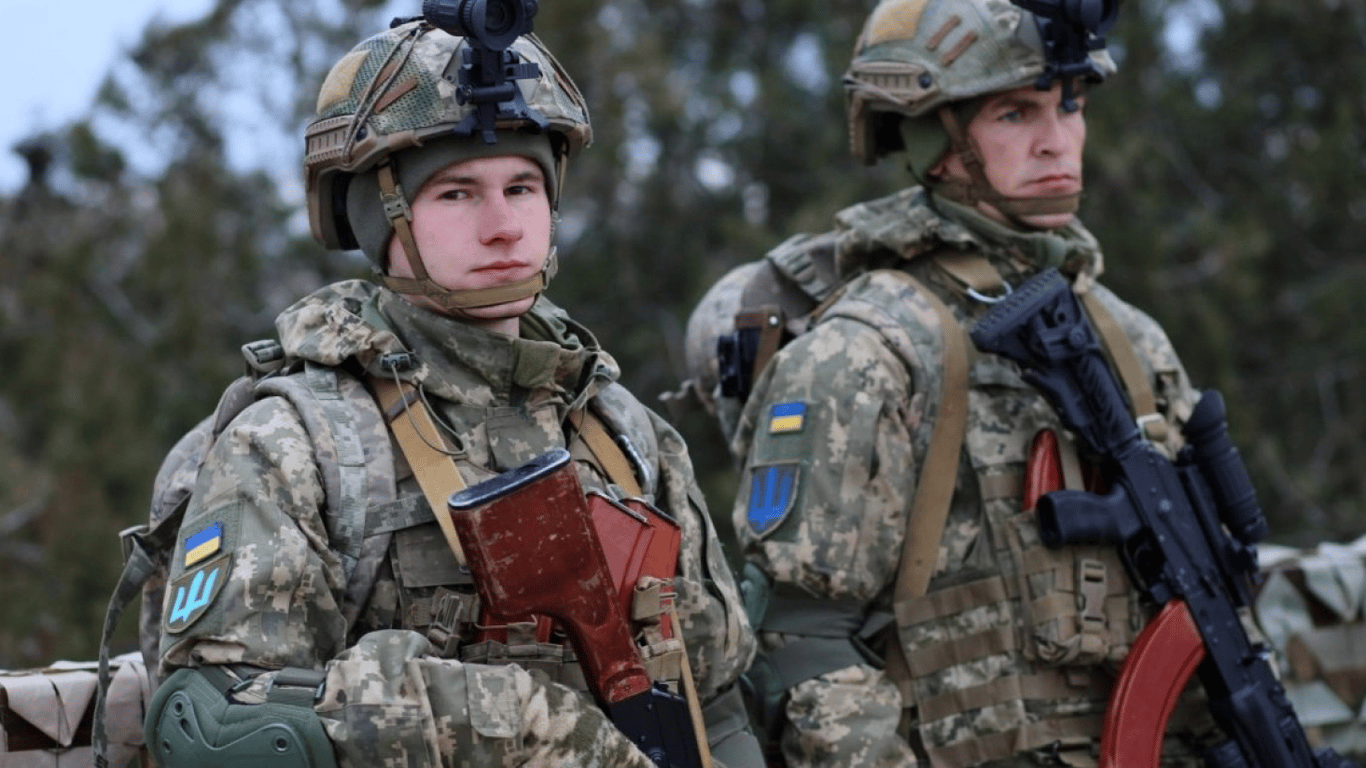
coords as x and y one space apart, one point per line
1186 531
537 545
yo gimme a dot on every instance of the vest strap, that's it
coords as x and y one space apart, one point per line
768 322
1125 359
606 454
939 471
418 438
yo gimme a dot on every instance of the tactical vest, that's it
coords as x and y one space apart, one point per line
433 592
385 533
1011 649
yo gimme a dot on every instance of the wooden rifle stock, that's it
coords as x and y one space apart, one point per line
533 548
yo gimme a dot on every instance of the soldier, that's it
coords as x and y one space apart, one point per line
912 615
316 611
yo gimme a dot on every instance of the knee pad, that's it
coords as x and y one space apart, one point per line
192 723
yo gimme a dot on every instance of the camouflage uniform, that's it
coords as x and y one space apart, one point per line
398 688
982 674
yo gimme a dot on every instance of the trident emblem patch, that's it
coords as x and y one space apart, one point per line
194 592
772 489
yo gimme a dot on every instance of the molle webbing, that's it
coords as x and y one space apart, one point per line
1032 710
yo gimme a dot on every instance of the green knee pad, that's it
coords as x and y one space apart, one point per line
191 723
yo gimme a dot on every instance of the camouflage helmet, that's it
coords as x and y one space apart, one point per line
397 90
915 56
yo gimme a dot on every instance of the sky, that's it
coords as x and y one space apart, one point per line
50 76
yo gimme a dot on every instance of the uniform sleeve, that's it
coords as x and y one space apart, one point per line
830 468
257 586
828 479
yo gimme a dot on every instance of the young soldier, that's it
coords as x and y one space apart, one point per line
912 613
316 611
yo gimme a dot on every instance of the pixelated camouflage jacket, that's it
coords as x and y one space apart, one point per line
390 693
833 435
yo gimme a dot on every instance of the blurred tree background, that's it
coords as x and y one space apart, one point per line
161 233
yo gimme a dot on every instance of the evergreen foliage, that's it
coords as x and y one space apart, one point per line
1224 186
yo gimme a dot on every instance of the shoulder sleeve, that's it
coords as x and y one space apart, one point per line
252 578
830 464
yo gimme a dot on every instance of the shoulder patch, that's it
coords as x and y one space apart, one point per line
786 417
193 593
204 544
772 492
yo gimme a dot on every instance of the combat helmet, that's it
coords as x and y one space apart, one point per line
402 101
920 67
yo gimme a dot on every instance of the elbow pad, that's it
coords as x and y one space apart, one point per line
192 722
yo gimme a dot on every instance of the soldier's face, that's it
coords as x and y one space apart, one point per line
481 223
1030 147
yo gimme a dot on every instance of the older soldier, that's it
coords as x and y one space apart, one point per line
317 612
912 613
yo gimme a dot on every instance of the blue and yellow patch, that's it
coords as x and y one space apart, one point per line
194 592
786 417
772 491
203 545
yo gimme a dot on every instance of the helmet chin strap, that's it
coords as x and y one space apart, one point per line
420 284
978 189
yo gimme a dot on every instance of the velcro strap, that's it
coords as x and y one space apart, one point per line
972 270
1002 485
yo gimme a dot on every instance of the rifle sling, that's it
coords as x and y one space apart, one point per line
939 471
1125 360
975 274
418 437
607 455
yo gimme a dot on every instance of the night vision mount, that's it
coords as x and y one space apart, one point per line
1070 30
486 73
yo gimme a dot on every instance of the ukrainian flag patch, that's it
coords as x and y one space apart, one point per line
204 544
786 417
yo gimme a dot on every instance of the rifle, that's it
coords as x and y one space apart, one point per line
1186 531
533 545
